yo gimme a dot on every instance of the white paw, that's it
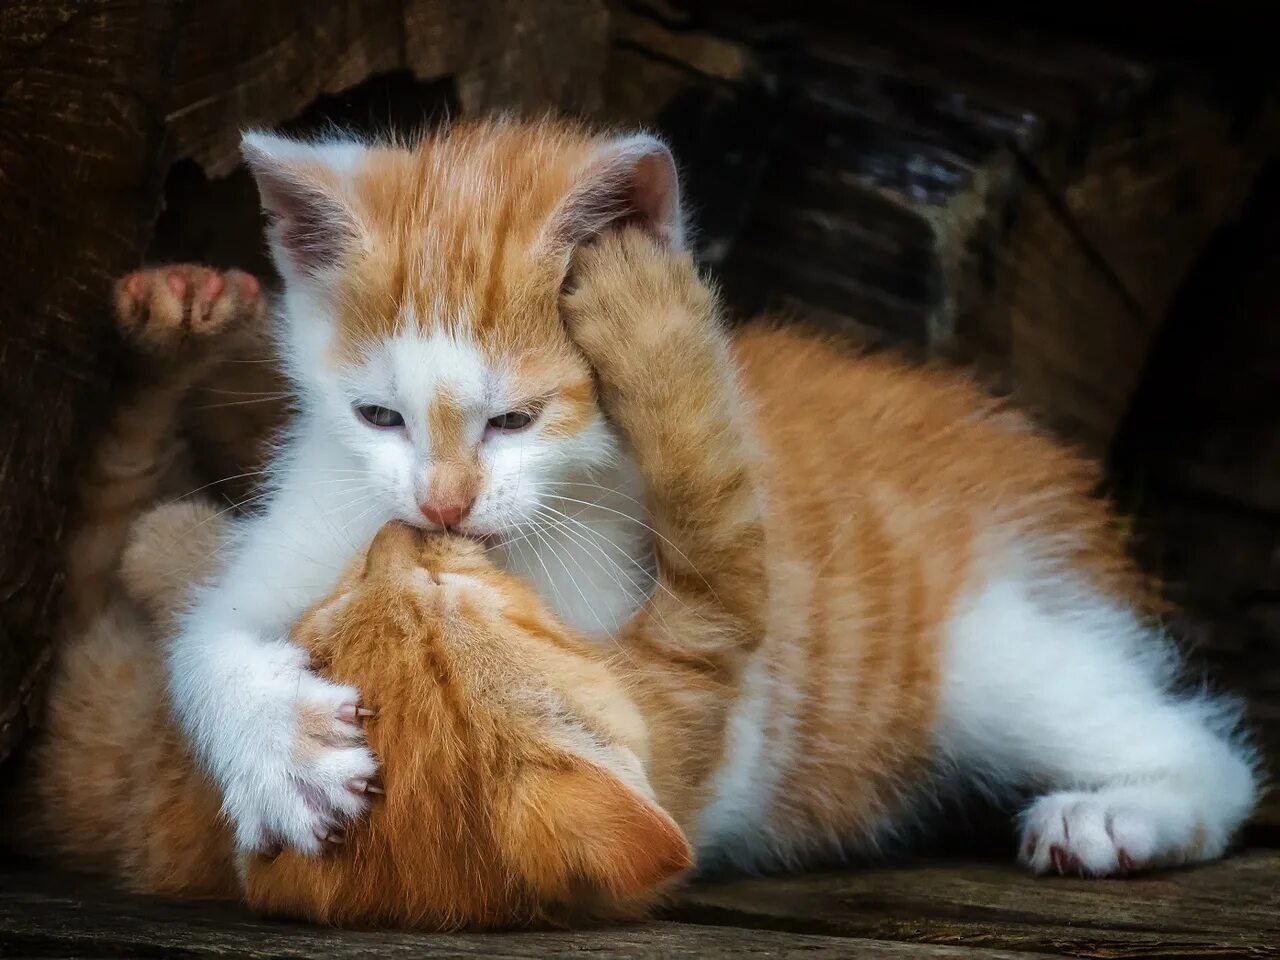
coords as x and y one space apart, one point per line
1110 832
299 770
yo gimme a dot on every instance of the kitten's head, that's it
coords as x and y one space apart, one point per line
422 292
512 757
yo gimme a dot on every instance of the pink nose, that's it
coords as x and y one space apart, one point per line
446 515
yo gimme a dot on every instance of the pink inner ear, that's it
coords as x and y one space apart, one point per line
310 227
655 196
632 181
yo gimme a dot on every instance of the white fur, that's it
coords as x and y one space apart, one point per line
569 508
1048 684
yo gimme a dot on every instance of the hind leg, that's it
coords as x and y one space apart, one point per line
178 320
1074 698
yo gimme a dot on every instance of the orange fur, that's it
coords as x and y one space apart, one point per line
486 821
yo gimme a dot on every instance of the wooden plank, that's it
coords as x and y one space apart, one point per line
247 62
52 915
81 93
1227 909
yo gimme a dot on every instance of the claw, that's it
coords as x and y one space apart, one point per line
362 785
334 835
1029 847
350 713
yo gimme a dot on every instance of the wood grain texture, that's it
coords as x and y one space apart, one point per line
1011 199
65 916
82 93
248 62
1227 909
965 910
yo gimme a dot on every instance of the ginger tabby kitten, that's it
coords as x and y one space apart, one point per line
874 586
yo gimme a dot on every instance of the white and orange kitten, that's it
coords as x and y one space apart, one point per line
419 326
914 535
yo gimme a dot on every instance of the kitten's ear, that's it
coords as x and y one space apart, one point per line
629 180
583 825
302 187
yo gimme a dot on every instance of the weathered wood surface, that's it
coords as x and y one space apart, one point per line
66 916
252 62
964 910
82 93
1228 909
1019 201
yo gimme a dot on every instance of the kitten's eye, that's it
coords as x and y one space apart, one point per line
511 421
377 416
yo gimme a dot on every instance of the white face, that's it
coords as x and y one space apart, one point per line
435 423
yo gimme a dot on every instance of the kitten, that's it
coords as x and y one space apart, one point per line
436 385
840 635
880 586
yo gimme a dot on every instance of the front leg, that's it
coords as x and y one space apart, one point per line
285 746
651 329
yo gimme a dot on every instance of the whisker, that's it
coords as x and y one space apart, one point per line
635 599
656 533
600 539
214 483
613 491
537 555
236 403
243 393
643 597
